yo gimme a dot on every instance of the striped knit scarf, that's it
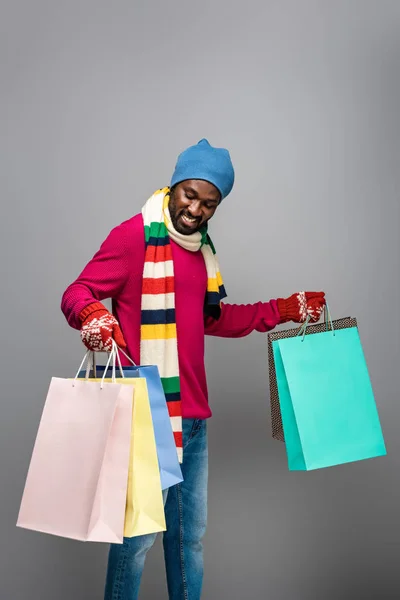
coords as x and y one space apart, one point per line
158 341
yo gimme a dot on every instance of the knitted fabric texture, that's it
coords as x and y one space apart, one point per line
158 343
205 162
100 328
300 305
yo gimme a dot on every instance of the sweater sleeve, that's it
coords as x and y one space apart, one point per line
103 277
239 320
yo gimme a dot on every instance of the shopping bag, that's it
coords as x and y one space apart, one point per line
144 504
326 399
76 485
170 470
276 418
144 512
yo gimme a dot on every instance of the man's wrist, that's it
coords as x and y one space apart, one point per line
91 309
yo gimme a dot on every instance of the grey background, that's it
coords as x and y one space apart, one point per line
97 99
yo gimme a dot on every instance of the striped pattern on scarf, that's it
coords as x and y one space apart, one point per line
158 339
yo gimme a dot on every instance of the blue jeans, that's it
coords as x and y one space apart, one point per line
186 516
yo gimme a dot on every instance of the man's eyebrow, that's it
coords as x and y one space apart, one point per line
190 189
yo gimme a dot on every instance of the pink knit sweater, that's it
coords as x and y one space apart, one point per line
116 272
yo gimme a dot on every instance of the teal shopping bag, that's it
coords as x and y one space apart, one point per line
327 404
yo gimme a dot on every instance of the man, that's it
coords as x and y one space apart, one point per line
161 272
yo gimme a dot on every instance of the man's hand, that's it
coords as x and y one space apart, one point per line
100 328
300 305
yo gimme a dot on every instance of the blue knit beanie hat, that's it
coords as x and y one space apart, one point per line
203 161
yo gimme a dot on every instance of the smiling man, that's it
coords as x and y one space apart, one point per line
192 203
160 268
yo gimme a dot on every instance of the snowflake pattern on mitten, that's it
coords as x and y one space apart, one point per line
301 305
97 333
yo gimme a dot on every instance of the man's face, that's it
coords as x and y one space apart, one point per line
192 204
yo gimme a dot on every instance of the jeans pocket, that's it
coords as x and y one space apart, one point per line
196 426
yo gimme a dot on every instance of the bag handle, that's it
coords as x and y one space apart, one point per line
113 358
327 317
85 358
125 354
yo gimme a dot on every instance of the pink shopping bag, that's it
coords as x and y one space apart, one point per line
77 480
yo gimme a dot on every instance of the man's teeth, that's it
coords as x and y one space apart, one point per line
188 219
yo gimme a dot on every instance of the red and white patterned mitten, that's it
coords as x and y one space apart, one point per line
100 328
300 305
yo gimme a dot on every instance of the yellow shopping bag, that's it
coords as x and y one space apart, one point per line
144 503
